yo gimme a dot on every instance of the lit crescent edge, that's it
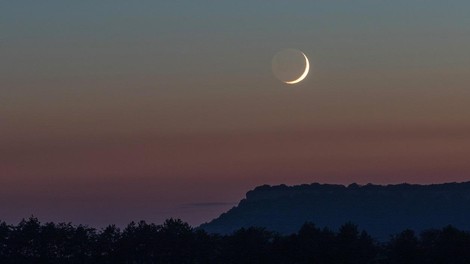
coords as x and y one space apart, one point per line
307 68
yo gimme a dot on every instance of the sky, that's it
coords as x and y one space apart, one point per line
113 111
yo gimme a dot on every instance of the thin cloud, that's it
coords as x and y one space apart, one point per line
206 204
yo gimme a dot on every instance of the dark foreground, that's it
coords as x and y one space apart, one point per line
176 242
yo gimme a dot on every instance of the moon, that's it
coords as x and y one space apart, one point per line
302 77
290 66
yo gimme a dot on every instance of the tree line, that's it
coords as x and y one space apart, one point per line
175 241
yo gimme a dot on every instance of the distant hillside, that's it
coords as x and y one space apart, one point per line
381 210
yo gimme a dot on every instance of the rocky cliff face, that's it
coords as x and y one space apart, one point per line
380 210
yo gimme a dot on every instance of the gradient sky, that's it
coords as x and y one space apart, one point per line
112 111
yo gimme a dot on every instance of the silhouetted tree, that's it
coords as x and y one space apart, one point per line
404 248
248 246
24 241
139 243
453 246
55 243
106 249
313 245
176 242
5 233
448 245
354 247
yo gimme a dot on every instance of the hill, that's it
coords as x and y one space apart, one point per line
382 210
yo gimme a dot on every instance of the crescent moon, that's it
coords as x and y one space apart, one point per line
307 68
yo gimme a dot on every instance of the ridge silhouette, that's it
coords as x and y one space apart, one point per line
382 210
